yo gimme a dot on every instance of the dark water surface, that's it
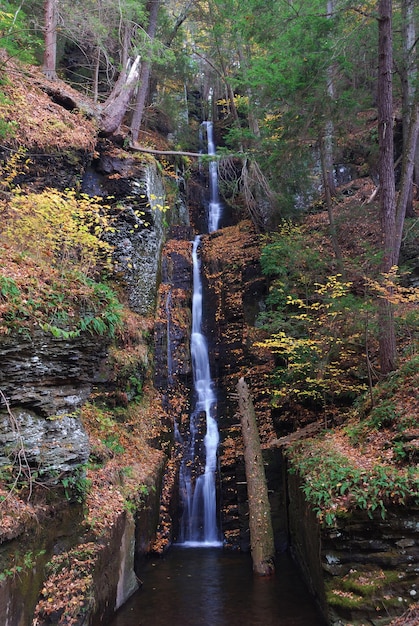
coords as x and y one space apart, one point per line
210 587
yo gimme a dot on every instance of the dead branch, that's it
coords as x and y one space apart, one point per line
20 459
138 148
301 433
250 183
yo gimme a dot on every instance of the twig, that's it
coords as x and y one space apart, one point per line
20 452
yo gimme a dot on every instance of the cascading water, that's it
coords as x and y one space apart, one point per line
198 525
209 586
214 211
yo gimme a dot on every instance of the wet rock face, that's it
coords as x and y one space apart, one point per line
173 319
50 375
377 559
234 289
361 570
60 170
172 364
45 381
53 445
137 198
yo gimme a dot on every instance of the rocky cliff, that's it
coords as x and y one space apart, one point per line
71 422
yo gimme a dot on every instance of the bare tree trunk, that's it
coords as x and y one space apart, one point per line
137 117
145 75
328 194
329 131
409 75
115 107
261 533
387 340
50 39
96 77
126 40
408 164
179 21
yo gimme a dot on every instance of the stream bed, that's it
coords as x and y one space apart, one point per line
213 587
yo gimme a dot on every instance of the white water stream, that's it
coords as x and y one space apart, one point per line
214 211
198 526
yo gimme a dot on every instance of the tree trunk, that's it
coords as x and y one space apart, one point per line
96 77
179 21
50 39
409 75
261 533
387 185
328 195
145 75
408 164
329 132
115 107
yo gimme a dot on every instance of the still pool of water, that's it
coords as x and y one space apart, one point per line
211 587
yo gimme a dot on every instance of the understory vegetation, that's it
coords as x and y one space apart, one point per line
56 263
322 327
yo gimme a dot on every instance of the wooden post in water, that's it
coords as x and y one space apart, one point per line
260 523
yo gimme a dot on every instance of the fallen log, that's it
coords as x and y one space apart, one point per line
301 433
260 523
138 148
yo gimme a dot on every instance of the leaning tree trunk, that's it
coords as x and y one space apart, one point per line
115 107
408 163
145 75
261 533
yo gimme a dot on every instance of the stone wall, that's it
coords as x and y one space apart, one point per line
374 561
45 381
363 569
305 540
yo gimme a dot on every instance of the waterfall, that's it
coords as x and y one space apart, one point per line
214 211
198 525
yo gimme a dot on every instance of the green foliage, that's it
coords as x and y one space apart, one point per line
318 323
7 127
55 254
20 562
359 587
127 471
76 485
17 36
8 289
135 387
112 442
334 485
102 313
84 554
314 326
65 228
388 407
138 499
383 415
104 425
